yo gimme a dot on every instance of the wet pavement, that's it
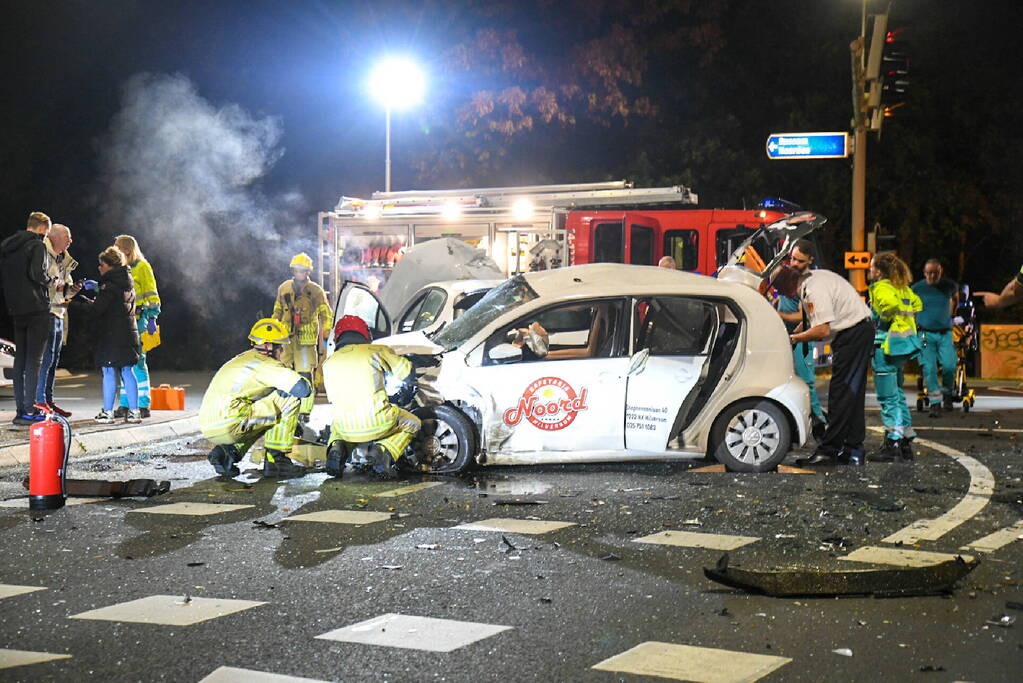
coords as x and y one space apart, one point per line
517 574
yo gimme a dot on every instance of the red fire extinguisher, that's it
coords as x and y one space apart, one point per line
49 447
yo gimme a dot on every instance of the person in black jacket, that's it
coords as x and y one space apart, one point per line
27 292
117 337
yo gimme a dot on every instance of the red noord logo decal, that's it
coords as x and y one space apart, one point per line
549 403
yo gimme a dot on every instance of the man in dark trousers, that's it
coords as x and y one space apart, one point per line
836 313
26 290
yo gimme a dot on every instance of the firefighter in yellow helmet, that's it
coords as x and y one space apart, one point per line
302 309
252 394
355 377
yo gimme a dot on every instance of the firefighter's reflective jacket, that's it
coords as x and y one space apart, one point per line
356 377
306 315
894 310
239 383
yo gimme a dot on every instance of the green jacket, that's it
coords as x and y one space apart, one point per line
894 312
146 295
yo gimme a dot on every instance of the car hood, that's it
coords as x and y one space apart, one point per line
411 342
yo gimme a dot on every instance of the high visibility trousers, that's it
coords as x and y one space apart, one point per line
276 416
393 435
304 360
895 415
803 363
939 350
141 372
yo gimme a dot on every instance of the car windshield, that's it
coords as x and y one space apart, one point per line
503 298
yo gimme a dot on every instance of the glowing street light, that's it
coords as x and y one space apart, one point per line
397 84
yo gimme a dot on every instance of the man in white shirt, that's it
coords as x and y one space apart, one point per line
837 314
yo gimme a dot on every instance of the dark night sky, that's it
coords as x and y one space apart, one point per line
304 64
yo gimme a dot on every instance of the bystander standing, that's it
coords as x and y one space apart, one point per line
59 265
26 290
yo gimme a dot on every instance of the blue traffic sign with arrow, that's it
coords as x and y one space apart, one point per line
808 146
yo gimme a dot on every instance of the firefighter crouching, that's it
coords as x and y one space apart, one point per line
302 309
356 377
252 394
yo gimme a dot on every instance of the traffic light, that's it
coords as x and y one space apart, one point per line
894 74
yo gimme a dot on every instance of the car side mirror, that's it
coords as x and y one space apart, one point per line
505 353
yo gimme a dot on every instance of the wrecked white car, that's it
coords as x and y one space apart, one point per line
610 362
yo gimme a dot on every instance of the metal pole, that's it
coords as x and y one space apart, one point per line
387 150
859 185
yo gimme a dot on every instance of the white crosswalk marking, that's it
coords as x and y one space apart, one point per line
231 674
405 490
197 509
515 526
168 610
416 633
341 517
901 557
690 663
13 658
9 590
996 540
692 539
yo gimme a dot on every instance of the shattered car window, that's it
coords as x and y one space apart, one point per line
498 301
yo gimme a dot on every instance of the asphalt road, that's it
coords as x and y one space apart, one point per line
545 607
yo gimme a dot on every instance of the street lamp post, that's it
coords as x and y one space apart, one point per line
397 84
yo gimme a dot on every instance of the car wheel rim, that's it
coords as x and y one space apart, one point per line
438 446
752 436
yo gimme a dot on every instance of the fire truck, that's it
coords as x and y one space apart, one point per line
534 227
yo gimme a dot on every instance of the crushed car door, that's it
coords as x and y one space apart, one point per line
672 339
564 389
359 300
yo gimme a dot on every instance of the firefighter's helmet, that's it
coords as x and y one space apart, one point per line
351 323
268 331
302 260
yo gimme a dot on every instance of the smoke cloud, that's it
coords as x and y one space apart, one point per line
184 177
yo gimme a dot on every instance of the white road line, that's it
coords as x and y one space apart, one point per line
996 540
982 485
690 663
692 539
900 557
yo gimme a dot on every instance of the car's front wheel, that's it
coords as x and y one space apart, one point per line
446 442
751 436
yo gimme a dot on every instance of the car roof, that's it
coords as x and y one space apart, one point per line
609 279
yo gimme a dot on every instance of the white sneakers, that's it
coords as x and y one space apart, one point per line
106 417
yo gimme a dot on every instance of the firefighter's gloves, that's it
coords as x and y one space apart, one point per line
151 326
406 392
90 285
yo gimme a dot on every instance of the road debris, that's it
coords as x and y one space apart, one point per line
427 546
1005 621
844 651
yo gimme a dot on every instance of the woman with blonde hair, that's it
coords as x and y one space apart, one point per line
147 309
894 307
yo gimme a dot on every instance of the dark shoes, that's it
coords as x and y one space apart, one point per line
120 412
818 458
223 459
27 419
948 404
847 456
337 455
143 412
889 451
935 410
383 463
906 449
854 457
277 464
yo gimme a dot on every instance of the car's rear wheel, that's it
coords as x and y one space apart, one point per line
751 436
446 442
